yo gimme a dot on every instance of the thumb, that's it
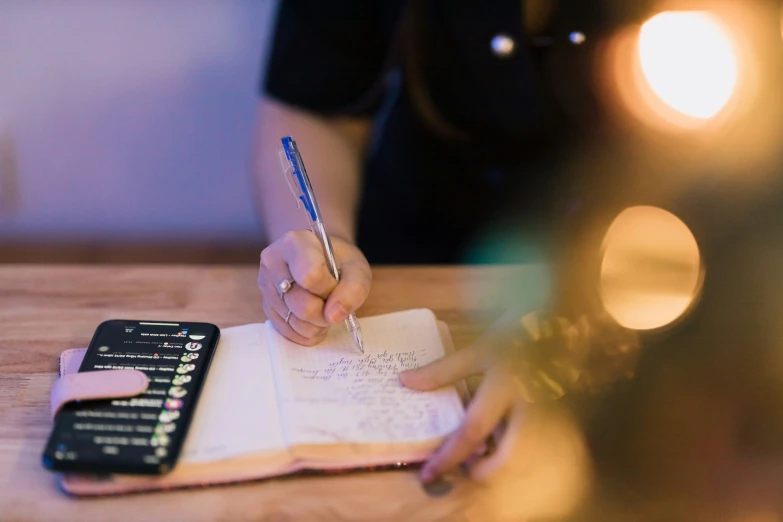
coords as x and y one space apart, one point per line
350 292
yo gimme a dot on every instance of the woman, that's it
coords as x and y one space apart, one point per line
423 126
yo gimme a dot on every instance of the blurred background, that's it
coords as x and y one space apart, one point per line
126 129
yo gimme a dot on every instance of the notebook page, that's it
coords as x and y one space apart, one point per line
237 411
332 393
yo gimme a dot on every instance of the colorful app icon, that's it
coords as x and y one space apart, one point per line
192 347
160 440
185 368
168 416
179 380
177 392
164 428
173 404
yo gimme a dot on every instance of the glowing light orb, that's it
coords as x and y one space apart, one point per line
689 61
651 269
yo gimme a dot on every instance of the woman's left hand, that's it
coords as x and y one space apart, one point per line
541 466
495 355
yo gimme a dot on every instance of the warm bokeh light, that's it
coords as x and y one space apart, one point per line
651 268
689 62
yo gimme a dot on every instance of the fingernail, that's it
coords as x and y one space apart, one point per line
438 487
339 314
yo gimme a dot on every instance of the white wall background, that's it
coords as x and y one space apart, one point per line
130 118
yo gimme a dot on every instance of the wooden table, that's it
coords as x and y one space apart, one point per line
47 309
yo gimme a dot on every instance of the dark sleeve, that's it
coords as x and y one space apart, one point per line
327 55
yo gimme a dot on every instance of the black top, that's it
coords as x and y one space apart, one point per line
434 195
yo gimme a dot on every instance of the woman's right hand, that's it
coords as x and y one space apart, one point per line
316 299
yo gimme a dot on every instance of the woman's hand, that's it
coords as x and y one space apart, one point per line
316 299
496 355
527 360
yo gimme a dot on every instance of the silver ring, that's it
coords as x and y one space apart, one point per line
288 317
284 286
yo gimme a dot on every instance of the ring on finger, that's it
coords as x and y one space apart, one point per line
284 286
288 317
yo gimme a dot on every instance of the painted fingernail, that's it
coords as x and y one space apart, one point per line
339 314
438 487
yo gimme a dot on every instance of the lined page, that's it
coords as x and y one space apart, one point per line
237 411
332 393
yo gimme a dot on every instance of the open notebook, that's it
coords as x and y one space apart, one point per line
271 407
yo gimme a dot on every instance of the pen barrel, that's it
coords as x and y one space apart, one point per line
352 323
353 328
326 244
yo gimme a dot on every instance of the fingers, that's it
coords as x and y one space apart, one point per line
304 257
306 324
298 257
350 292
493 399
462 363
446 370
302 327
274 306
306 306
294 329
288 331
483 468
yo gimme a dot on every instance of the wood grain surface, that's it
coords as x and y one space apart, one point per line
47 309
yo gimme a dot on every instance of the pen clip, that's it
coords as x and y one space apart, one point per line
286 166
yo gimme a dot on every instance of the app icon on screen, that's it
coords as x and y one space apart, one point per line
168 416
179 380
160 439
162 429
177 392
161 452
103 349
196 337
192 347
185 368
173 404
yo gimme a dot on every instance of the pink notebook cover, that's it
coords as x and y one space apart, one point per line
211 474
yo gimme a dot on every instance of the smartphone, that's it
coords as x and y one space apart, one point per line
144 434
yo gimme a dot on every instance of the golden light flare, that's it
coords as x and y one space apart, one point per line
681 71
689 61
651 270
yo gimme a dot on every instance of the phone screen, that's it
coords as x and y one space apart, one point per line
143 434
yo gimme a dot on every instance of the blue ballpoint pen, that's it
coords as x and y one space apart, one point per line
307 197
